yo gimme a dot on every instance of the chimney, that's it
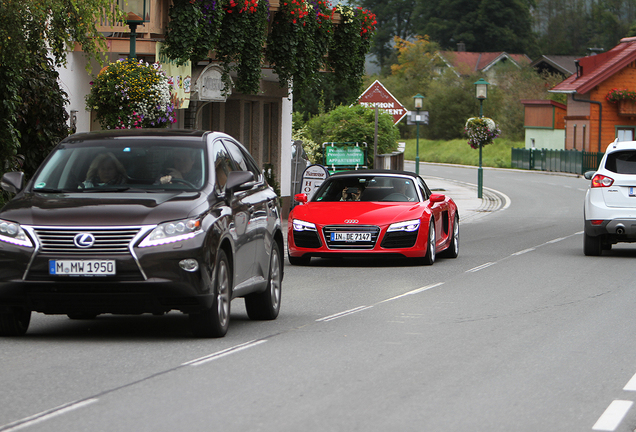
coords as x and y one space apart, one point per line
461 47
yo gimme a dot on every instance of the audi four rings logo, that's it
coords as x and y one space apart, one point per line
84 240
348 221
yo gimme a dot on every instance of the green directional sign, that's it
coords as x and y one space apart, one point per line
344 155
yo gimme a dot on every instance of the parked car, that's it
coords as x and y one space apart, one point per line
141 221
370 212
610 201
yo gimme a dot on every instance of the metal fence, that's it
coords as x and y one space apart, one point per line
569 161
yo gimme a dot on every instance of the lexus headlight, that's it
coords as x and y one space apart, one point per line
170 232
407 226
11 232
300 225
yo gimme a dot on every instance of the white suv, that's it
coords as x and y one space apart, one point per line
610 202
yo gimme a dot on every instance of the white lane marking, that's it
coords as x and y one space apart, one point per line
342 314
556 240
223 353
524 251
415 291
613 415
631 385
481 267
46 415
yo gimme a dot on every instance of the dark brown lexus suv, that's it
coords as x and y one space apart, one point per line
141 221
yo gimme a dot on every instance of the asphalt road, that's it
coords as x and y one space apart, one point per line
521 332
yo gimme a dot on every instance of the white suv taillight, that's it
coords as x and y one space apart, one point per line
600 180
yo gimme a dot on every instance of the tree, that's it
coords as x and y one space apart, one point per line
484 25
394 19
415 68
352 124
30 31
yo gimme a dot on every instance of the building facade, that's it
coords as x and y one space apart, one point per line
262 121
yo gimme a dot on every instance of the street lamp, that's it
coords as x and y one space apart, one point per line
135 11
418 101
481 93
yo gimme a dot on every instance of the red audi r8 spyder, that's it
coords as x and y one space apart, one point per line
373 212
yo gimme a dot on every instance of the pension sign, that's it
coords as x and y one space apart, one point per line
378 96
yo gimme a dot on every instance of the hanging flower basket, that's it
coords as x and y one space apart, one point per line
131 94
481 131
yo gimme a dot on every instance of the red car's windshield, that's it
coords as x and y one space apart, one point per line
367 188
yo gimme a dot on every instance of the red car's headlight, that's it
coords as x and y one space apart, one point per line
408 226
300 225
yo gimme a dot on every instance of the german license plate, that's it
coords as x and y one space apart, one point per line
350 236
82 267
632 191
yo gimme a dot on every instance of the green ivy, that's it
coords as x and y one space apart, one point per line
352 40
240 49
193 29
299 41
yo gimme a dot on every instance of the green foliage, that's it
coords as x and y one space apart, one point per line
414 71
47 29
351 42
615 95
570 27
450 100
131 94
41 117
193 29
353 124
241 47
394 20
457 152
298 43
483 25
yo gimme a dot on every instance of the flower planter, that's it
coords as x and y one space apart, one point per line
627 108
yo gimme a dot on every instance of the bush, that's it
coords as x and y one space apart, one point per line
352 124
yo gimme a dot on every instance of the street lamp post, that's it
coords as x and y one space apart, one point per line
481 93
418 100
135 11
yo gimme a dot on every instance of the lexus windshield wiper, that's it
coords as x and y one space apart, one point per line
107 189
53 190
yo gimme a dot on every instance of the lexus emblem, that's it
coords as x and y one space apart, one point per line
84 240
351 221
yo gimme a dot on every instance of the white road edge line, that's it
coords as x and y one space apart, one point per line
342 314
223 353
613 416
415 291
46 415
481 267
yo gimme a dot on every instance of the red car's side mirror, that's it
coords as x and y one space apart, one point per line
435 198
301 198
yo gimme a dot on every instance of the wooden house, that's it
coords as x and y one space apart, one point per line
544 124
592 122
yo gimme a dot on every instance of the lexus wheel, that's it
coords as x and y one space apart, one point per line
14 322
214 322
266 305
